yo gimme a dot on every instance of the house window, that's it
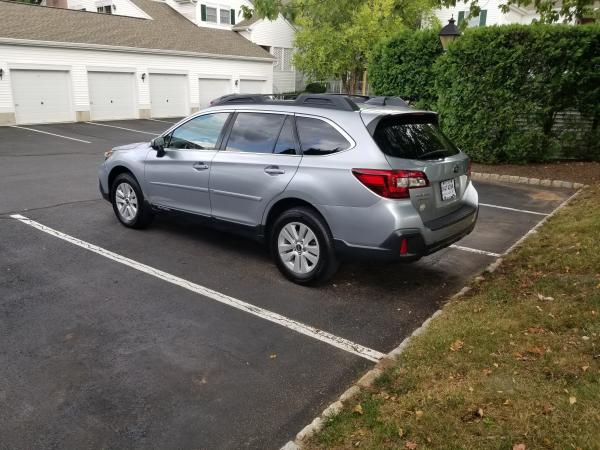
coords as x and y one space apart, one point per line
211 14
105 9
283 59
225 16
476 21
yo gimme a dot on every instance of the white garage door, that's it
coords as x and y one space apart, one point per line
211 88
253 87
112 95
41 96
168 95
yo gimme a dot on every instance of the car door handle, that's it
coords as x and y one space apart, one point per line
200 166
274 170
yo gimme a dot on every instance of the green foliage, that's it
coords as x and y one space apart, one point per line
403 66
522 93
315 88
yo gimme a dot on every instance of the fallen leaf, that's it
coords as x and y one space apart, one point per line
273 355
419 414
585 368
572 400
457 345
487 372
480 412
358 409
519 447
410 445
536 350
506 402
535 330
400 432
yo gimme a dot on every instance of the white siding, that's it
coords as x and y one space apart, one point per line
494 15
122 7
78 61
276 33
284 82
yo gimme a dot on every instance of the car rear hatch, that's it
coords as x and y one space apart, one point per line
413 141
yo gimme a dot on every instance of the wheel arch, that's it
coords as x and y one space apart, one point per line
115 172
284 204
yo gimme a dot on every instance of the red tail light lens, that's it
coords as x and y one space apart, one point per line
391 183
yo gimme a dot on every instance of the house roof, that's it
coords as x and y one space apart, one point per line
168 30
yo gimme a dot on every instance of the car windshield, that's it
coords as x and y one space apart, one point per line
412 136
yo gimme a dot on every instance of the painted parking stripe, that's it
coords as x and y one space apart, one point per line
307 330
163 121
513 209
122 128
475 250
51 134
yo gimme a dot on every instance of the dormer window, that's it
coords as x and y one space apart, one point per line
221 15
104 6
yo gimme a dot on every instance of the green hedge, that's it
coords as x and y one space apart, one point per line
403 66
508 93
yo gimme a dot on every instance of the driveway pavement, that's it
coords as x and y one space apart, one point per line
180 336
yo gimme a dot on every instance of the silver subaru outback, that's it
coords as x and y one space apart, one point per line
319 179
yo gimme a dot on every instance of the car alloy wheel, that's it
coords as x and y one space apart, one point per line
298 248
127 201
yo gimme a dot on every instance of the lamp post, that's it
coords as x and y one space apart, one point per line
449 33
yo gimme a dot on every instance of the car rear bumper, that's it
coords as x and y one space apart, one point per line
416 246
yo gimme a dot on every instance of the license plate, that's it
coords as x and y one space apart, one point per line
448 190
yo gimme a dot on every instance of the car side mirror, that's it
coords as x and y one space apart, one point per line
158 144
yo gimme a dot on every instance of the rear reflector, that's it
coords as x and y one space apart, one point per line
391 183
403 247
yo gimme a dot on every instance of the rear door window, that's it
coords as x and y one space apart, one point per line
317 137
255 132
286 144
413 137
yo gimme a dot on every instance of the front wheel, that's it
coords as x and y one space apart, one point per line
128 202
302 246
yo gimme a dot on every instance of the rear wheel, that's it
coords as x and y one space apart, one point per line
128 202
303 247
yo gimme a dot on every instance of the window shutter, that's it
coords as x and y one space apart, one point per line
461 17
203 13
233 17
482 17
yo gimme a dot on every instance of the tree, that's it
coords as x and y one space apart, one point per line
550 11
336 37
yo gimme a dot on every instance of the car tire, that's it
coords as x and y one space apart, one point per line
302 246
128 202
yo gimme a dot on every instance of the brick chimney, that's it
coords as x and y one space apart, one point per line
57 3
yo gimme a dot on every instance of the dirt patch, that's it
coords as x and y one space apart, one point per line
577 172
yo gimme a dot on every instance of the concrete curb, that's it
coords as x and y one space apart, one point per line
371 376
525 180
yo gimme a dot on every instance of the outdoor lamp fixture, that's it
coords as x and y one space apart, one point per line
143 77
1 73
449 33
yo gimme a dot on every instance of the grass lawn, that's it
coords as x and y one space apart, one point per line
514 364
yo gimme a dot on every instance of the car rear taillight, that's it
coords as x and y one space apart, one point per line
391 183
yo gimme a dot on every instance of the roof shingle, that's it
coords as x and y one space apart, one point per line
168 30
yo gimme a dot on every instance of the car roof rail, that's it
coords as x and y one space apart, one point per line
332 101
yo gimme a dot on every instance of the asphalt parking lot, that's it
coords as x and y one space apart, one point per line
180 336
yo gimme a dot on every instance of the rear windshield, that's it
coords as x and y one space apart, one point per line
413 137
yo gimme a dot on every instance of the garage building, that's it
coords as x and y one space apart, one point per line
61 65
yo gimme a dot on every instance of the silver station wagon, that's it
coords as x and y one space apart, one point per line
319 179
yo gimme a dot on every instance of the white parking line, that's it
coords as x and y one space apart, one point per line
513 209
164 121
51 134
122 128
474 250
307 330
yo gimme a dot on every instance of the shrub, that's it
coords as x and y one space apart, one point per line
522 93
403 66
315 88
